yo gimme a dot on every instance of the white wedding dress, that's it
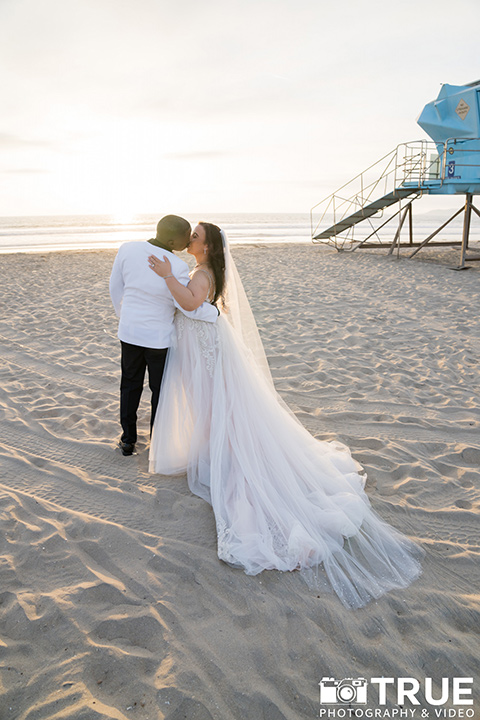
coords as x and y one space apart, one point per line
282 499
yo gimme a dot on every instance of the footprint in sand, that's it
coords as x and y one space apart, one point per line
463 504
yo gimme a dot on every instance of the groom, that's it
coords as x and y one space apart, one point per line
146 308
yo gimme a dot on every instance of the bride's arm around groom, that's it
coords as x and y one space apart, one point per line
146 310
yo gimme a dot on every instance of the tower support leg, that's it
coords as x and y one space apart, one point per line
396 239
427 240
466 230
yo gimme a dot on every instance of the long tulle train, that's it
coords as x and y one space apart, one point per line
282 499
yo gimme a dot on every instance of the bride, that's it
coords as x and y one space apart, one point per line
282 499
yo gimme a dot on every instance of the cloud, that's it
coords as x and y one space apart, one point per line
195 155
25 171
10 141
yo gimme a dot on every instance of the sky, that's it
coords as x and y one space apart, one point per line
134 106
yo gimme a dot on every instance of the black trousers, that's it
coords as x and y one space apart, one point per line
135 360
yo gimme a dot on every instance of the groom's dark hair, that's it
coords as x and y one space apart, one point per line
171 227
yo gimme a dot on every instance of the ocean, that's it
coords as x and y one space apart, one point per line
96 232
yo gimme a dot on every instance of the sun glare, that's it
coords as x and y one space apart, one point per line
124 217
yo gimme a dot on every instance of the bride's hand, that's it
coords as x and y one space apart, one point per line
161 267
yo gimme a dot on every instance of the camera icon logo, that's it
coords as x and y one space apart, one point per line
348 690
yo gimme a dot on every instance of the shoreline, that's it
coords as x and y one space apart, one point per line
448 255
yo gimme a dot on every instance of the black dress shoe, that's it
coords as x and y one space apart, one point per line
126 448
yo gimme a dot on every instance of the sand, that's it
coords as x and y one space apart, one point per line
113 603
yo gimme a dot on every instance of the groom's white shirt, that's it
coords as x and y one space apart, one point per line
142 299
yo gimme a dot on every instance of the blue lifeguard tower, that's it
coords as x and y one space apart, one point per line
450 165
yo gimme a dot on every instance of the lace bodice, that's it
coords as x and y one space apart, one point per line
205 334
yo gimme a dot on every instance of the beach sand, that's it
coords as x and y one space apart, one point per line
113 603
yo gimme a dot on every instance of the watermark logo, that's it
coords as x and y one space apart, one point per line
348 690
347 698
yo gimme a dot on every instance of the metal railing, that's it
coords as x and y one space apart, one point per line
409 165
418 163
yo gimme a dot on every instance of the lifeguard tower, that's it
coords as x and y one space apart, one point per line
354 216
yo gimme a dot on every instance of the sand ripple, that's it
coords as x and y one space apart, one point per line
113 603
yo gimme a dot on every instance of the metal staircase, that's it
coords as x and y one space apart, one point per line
367 211
405 173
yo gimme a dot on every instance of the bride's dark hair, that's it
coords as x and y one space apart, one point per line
216 257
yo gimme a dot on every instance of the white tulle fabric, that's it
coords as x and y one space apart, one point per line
282 499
